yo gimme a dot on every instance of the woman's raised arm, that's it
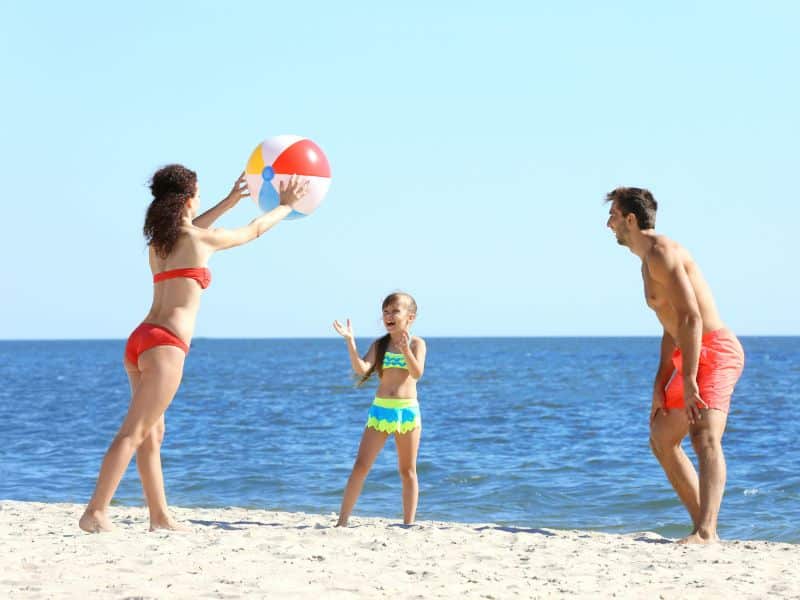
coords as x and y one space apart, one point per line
290 193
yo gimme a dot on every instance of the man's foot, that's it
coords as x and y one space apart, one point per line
698 537
95 521
167 522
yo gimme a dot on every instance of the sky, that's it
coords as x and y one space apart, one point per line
471 146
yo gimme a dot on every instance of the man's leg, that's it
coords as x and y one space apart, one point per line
666 433
707 441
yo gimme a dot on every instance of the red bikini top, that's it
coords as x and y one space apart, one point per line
201 275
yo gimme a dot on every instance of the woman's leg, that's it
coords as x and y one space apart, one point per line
154 438
372 442
148 462
407 450
160 370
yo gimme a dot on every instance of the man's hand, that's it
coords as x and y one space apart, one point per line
692 401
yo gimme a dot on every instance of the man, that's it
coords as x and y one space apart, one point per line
701 361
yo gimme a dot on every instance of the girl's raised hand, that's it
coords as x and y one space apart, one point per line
293 190
404 342
346 331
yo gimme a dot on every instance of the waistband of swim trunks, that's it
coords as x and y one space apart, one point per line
395 402
712 336
722 332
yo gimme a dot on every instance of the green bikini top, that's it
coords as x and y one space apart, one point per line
392 360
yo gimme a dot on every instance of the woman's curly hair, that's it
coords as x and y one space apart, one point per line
171 187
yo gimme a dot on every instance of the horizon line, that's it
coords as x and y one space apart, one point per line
472 337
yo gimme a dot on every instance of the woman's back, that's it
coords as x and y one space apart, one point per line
176 300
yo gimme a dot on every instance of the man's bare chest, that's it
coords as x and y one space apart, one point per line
654 293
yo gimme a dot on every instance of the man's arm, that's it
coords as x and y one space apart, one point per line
665 366
666 267
663 375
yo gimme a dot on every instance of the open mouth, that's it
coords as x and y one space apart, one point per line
389 323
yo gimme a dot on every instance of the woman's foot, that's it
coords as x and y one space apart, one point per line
166 522
699 537
95 521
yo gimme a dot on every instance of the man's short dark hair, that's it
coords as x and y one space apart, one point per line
638 201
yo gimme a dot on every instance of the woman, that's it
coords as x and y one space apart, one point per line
180 245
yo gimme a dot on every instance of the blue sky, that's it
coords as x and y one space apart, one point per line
471 149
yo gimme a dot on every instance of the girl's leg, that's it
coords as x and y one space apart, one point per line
161 369
372 442
407 450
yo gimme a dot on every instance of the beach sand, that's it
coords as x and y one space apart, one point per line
242 553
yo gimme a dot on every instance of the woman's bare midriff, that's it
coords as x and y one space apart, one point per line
177 301
175 306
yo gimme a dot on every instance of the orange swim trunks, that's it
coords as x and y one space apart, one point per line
720 366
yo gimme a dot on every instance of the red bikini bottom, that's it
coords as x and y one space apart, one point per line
147 336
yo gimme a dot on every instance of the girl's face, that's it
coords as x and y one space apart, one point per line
396 316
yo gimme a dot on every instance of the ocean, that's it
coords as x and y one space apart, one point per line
526 432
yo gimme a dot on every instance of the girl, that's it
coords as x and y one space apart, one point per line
399 360
180 245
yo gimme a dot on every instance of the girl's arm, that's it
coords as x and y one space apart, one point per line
222 239
360 365
415 356
238 192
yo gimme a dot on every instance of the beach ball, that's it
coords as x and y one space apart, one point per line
275 160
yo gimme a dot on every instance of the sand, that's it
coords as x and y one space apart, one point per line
243 553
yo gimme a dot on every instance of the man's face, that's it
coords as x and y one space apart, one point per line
618 224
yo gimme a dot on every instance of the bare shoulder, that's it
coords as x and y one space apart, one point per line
417 343
664 256
197 243
200 234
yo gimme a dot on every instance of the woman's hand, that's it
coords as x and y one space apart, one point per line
345 331
238 191
292 191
